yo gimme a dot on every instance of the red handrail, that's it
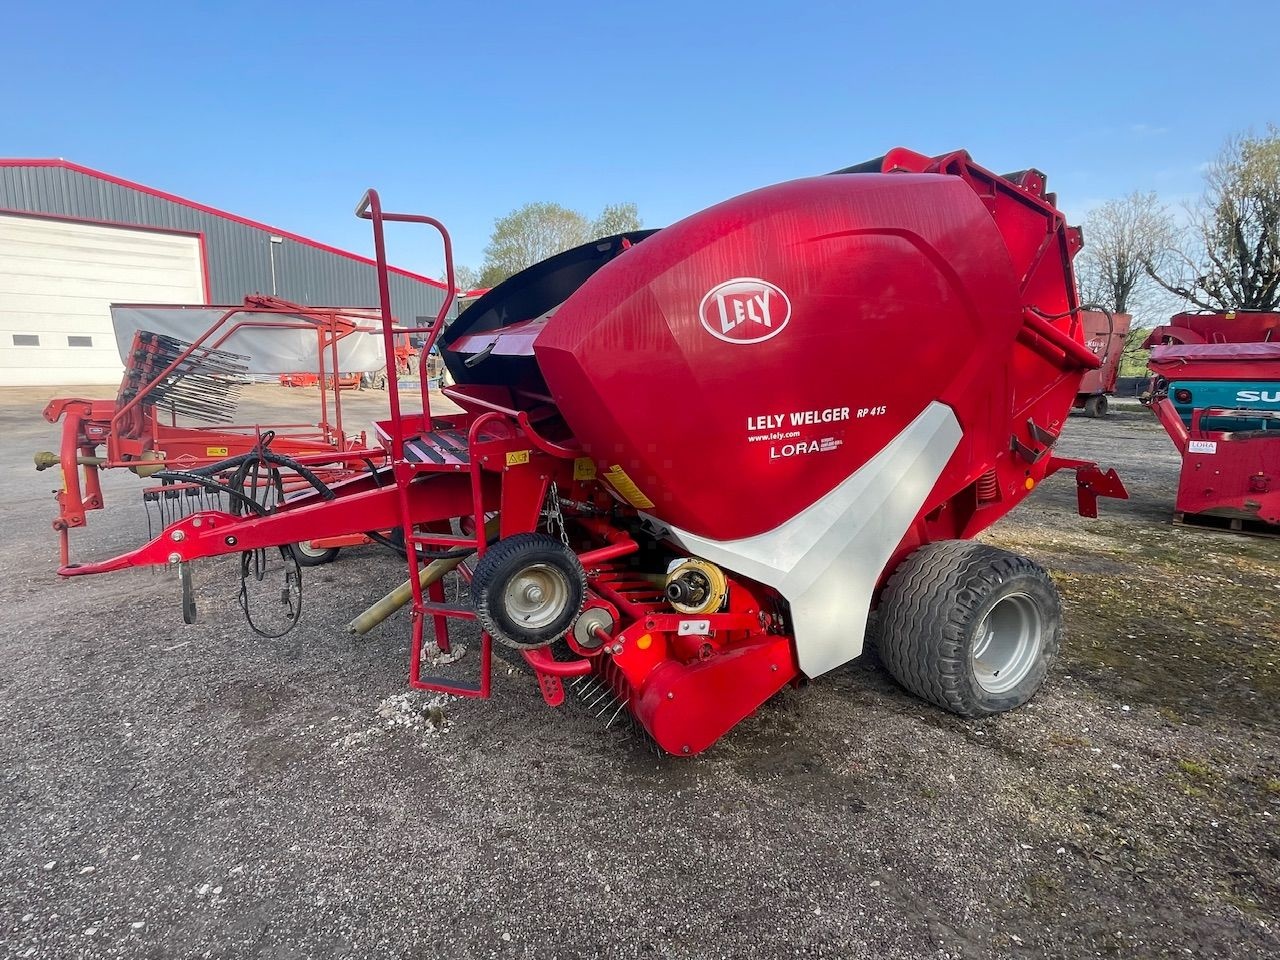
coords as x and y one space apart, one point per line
370 208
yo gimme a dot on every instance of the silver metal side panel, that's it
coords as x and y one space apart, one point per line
826 560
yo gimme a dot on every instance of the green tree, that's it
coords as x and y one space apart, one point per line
1231 257
1133 359
466 278
616 218
539 230
530 234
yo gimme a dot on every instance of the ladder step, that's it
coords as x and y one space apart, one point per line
461 688
457 610
443 540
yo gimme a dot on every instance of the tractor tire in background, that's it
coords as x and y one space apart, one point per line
528 590
309 556
1096 406
968 627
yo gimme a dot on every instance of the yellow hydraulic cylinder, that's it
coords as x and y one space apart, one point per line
402 594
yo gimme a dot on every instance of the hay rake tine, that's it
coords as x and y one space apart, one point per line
607 692
622 706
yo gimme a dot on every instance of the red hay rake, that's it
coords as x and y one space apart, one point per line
167 379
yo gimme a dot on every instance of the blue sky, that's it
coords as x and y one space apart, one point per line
286 112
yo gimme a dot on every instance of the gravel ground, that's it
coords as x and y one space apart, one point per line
193 791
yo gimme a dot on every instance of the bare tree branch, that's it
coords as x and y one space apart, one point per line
1121 238
1230 259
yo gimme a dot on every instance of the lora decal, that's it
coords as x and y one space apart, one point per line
745 310
801 447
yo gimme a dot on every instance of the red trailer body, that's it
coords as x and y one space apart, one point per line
741 433
1105 335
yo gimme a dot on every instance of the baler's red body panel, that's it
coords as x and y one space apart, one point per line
871 265
899 291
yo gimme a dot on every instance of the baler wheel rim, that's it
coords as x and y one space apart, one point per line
1008 644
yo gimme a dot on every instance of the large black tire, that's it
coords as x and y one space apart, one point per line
308 556
956 615
1096 406
528 590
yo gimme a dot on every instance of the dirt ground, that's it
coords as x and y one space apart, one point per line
194 791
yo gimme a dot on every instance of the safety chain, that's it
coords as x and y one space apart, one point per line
554 517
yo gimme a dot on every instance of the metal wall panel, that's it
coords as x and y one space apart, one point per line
239 255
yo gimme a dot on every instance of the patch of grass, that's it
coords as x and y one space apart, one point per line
1246 905
1199 777
1272 786
1196 770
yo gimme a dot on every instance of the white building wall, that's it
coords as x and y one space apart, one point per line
57 281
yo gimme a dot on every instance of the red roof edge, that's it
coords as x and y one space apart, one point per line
204 208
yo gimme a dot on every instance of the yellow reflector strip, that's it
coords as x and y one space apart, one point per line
619 480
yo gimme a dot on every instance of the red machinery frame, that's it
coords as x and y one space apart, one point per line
1229 478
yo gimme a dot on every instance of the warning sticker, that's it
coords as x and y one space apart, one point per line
1202 446
584 468
517 457
215 451
619 480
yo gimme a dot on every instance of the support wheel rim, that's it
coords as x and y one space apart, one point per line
527 590
537 595
309 556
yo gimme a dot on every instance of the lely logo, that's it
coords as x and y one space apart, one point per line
745 310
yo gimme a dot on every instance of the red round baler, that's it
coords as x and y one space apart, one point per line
692 462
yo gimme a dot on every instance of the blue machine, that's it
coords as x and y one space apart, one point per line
1261 395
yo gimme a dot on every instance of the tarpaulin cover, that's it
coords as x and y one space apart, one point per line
271 350
1192 352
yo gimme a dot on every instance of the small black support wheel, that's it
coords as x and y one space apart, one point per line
309 556
1096 406
528 590
970 628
